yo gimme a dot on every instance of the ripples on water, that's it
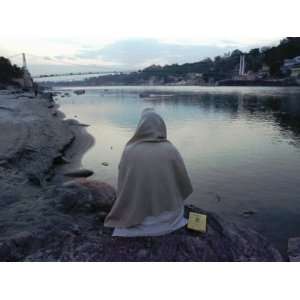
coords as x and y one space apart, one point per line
241 145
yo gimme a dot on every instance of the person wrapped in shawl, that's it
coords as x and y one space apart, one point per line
152 183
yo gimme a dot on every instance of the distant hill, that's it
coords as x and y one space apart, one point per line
206 70
274 57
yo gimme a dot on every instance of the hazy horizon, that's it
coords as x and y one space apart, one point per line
121 55
59 36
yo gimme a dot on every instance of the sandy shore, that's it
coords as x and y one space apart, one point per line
45 218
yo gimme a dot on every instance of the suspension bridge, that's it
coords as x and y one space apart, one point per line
21 60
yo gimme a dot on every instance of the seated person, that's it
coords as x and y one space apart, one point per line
152 183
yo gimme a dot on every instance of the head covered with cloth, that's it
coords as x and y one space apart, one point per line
153 181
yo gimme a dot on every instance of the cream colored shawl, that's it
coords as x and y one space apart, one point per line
152 175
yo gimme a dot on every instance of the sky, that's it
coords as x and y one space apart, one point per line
61 36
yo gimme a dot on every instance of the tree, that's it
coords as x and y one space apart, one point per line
275 56
8 71
254 60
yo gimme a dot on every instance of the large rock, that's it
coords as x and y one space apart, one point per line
84 196
222 242
72 230
73 198
103 194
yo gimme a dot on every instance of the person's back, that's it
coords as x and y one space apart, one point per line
152 183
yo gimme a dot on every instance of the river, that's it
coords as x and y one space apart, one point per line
241 145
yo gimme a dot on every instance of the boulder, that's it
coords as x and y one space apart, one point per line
73 199
71 229
103 194
222 242
87 196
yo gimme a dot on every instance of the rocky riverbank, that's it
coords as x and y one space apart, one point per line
46 217
35 142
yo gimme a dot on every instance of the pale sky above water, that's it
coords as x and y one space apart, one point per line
126 35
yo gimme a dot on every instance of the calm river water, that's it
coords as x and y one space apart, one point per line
241 145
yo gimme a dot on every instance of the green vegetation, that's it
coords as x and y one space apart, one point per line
268 60
274 57
8 71
226 66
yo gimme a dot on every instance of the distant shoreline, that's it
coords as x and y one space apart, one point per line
227 82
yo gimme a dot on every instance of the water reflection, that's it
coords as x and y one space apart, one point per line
241 146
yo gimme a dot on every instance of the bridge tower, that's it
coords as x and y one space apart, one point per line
27 79
242 65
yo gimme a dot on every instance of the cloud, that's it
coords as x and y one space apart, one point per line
137 53
122 55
